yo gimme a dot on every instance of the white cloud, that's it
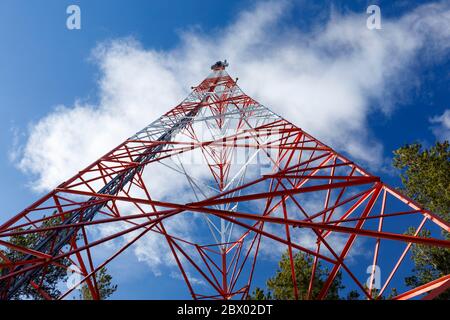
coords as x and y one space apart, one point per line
193 280
135 89
327 81
324 81
441 126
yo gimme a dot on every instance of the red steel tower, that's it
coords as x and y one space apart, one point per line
250 181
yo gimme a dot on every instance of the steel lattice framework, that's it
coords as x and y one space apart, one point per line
245 177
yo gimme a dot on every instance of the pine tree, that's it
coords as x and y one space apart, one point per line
280 286
426 179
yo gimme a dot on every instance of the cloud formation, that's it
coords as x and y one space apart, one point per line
327 81
441 126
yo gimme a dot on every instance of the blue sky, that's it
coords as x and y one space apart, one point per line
43 65
47 65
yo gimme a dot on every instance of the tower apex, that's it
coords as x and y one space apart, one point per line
220 65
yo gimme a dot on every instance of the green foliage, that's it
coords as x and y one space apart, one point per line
104 284
426 179
393 293
54 275
425 175
281 287
258 294
353 295
429 263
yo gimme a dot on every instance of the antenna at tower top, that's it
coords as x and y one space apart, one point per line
220 65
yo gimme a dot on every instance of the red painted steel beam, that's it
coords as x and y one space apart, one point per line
440 284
